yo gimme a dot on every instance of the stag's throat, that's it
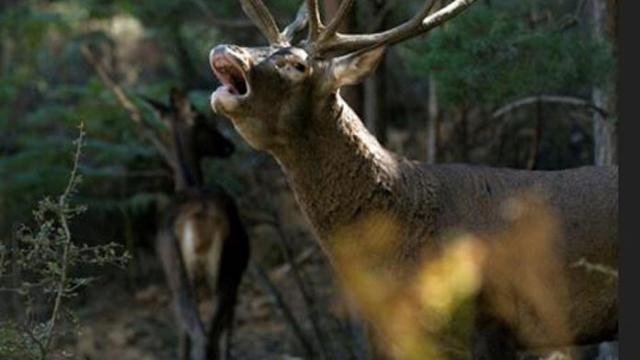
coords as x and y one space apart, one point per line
340 172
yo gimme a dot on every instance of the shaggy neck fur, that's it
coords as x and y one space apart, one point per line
338 168
340 173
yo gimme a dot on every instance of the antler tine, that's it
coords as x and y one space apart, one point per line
315 22
300 22
424 21
338 18
258 12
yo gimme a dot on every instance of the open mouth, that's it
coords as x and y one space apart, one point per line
230 74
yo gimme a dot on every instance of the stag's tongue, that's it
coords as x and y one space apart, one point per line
230 76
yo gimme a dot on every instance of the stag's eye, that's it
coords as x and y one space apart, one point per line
280 63
300 67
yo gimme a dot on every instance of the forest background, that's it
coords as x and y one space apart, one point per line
526 84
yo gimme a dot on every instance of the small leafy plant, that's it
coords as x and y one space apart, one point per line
37 273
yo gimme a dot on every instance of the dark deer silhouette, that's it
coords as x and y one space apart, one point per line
201 241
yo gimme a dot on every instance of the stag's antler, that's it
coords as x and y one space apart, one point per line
258 12
315 20
423 21
300 22
327 40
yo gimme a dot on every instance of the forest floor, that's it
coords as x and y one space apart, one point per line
121 324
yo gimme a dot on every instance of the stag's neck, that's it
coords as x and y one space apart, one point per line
339 171
189 172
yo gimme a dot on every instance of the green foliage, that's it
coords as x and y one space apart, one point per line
33 163
47 88
15 344
490 56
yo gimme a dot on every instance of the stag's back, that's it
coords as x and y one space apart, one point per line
585 200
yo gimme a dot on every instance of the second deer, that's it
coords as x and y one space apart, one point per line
201 241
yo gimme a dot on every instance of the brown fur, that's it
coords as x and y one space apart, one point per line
341 175
346 174
215 222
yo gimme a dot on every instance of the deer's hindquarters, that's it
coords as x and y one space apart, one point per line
204 250
202 233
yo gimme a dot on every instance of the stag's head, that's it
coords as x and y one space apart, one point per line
271 93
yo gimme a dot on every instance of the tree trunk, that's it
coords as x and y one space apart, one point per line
374 107
532 162
371 103
604 21
371 85
432 124
464 134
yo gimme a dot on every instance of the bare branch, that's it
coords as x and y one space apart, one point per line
258 12
296 272
64 224
134 112
299 260
596 268
281 305
569 100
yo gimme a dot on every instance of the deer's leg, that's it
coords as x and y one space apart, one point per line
226 346
222 322
185 345
183 294
225 333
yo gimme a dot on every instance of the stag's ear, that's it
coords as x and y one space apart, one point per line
352 68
